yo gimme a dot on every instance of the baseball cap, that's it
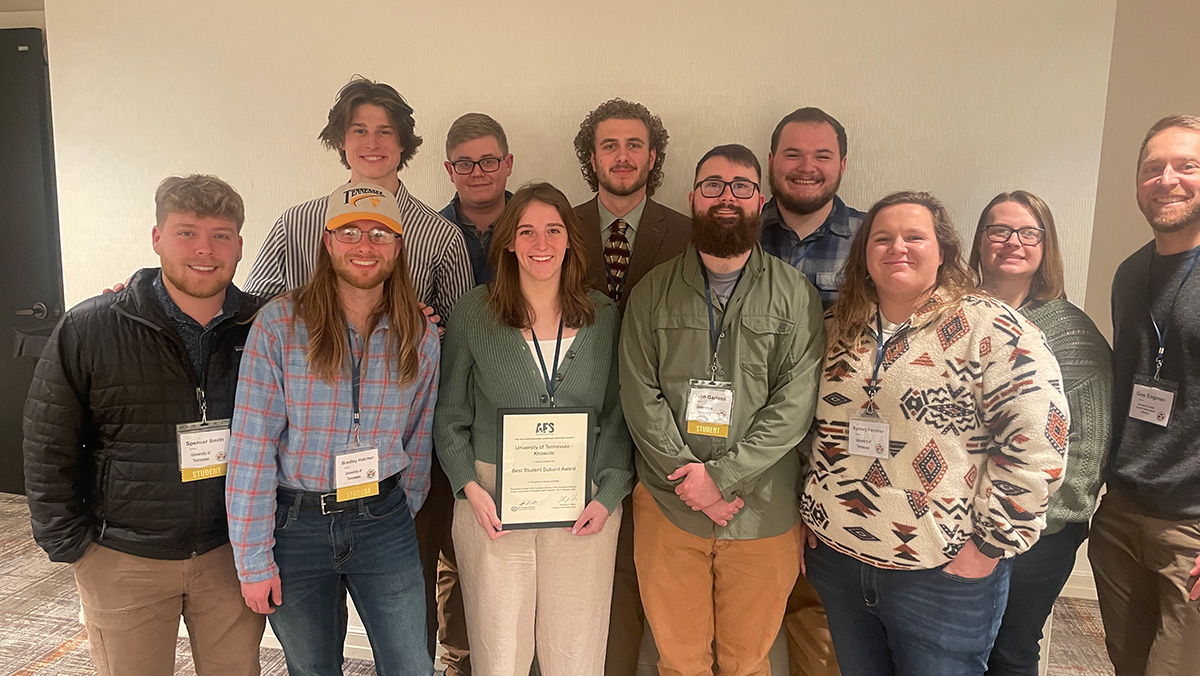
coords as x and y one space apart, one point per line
362 202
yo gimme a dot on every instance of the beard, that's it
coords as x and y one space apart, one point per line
1168 224
354 276
178 275
802 206
725 238
639 181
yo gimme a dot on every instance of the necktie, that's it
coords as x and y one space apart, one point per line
616 257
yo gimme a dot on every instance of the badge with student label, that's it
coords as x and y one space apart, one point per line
709 408
870 435
356 472
1153 400
203 449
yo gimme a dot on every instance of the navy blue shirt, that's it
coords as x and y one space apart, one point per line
197 340
821 256
478 242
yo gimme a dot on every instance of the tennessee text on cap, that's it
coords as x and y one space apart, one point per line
362 202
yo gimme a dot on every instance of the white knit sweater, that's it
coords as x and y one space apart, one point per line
978 437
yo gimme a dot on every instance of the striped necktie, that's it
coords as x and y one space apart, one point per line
616 257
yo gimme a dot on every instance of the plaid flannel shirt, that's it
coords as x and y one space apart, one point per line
288 423
822 255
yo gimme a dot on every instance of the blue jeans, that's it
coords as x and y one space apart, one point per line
1038 577
907 622
370 551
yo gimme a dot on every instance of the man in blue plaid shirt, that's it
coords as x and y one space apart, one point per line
805 223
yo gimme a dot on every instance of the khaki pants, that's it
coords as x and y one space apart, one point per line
131 606
810 645
1141 566
700 591
540 586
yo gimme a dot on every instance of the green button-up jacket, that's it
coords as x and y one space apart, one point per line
770 348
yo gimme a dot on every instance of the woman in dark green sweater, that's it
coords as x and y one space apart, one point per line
1016 258
534 337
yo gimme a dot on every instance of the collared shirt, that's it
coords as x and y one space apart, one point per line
632 220
437 257
478 242
197 340
288 424
772 340
821 256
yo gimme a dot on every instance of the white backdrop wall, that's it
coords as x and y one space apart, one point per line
962 99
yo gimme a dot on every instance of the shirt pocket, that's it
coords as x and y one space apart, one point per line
827 282
760 343
684 350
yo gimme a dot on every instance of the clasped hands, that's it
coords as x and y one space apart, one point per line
700 492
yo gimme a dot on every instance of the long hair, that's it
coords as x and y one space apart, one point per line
505 297
319 307
360 90
1047 283
857 296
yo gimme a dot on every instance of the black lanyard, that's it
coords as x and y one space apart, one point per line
880 349
714 331
1162 332
356 379
548 375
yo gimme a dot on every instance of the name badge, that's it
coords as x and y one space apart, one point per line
1152 400
356 473
870 436
203 449
709 408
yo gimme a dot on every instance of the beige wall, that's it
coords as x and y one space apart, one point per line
23 19
1154 73
963 99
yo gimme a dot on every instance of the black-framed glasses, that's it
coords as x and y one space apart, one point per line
353 235
488 164
1002 233
713 188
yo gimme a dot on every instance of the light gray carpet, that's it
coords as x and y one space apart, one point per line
40 631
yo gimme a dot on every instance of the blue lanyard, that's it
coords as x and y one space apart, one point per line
1166 327
542 360
714 331
356 379
880 349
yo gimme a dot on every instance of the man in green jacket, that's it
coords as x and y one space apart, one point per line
720 351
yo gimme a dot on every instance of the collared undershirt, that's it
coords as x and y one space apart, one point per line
197 340
633 219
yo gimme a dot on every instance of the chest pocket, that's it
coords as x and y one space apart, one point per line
828 281
760 343
683 347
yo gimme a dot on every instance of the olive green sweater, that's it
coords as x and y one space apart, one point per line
487 366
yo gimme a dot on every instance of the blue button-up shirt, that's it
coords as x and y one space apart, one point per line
479 242
821 256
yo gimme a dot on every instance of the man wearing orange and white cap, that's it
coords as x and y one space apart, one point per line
331 445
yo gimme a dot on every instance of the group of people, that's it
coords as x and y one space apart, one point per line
804 415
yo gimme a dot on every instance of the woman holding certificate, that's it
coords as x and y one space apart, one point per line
941 430
529 430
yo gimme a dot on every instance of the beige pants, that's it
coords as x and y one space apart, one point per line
543 587
701 592
131 606
1141 566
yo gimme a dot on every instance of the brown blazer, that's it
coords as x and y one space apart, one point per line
662 235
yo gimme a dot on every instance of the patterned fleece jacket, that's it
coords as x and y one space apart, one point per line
979 427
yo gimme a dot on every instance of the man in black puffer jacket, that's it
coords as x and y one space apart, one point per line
125 432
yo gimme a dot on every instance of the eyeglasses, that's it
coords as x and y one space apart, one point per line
353 235
488 164
715 187
1002 233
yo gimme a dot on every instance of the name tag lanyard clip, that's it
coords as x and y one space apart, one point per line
1162 331
714 331
548 375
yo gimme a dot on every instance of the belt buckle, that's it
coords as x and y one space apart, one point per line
327 512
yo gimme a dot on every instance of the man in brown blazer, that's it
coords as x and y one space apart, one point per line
621 148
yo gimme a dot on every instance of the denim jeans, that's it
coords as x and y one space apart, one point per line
907 622
1038 576
370 552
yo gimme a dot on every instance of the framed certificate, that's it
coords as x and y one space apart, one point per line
543 466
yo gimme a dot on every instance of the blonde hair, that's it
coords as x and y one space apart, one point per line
201 194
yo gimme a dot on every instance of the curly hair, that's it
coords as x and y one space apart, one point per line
360 90
620 109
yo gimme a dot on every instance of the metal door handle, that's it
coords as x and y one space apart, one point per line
38 311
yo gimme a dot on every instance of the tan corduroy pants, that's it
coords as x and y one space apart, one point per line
543 587
132 605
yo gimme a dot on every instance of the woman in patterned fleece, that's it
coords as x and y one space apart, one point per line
940 432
